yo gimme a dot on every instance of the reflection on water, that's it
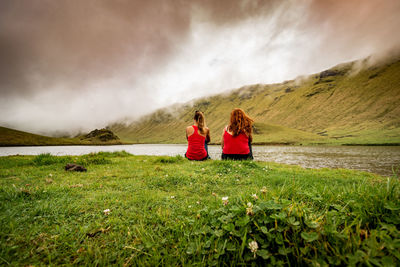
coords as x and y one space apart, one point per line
377 159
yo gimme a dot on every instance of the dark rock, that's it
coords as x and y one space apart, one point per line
75 167
328 73
373 75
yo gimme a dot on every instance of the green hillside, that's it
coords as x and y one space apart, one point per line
337 106
10 137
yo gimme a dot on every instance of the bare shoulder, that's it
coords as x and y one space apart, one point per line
189 130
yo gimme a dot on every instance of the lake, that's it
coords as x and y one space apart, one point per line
376 159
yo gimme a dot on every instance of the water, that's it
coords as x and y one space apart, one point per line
376 159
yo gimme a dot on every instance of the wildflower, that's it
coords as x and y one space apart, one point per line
249 209
51 175
172 197
263 190
255 196
225 201
106 211
166 175
198 202
253 247
214 194
202 169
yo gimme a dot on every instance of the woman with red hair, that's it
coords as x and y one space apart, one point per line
237 137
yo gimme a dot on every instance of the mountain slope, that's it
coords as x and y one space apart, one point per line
341 105
11 137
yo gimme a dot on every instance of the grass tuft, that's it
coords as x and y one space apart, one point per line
176 159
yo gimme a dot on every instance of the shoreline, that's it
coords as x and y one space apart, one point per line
254 144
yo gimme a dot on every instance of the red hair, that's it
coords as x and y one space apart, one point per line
240 122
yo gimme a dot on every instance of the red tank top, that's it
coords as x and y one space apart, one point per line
196 149
236 144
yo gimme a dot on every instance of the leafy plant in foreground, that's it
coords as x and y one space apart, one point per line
282 232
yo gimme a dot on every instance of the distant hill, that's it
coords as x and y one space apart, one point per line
341 105
102 135
10 137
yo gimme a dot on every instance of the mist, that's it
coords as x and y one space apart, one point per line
69 66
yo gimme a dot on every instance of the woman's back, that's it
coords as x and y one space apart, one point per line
198 135
196 149
235 144
236 137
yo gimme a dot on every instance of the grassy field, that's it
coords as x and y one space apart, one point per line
145 211
344 105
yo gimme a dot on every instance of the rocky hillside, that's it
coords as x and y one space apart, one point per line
102 135
347 104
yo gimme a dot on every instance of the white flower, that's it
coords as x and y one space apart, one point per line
166 175
249 209
225 201
255 196
253 247
172 197
106 211
263 190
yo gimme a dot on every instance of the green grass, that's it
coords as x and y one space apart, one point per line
169 211
349 108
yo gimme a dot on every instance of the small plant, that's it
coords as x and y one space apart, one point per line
175 159
94 158
47 159
396 172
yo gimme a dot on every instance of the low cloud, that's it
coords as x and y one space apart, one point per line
76 65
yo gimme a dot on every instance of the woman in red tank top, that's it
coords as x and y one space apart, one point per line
237 137
198 135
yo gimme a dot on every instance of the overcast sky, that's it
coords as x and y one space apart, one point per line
70 65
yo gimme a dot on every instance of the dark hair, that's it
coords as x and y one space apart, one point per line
240 122
199 118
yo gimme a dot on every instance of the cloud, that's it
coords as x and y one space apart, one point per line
77 65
